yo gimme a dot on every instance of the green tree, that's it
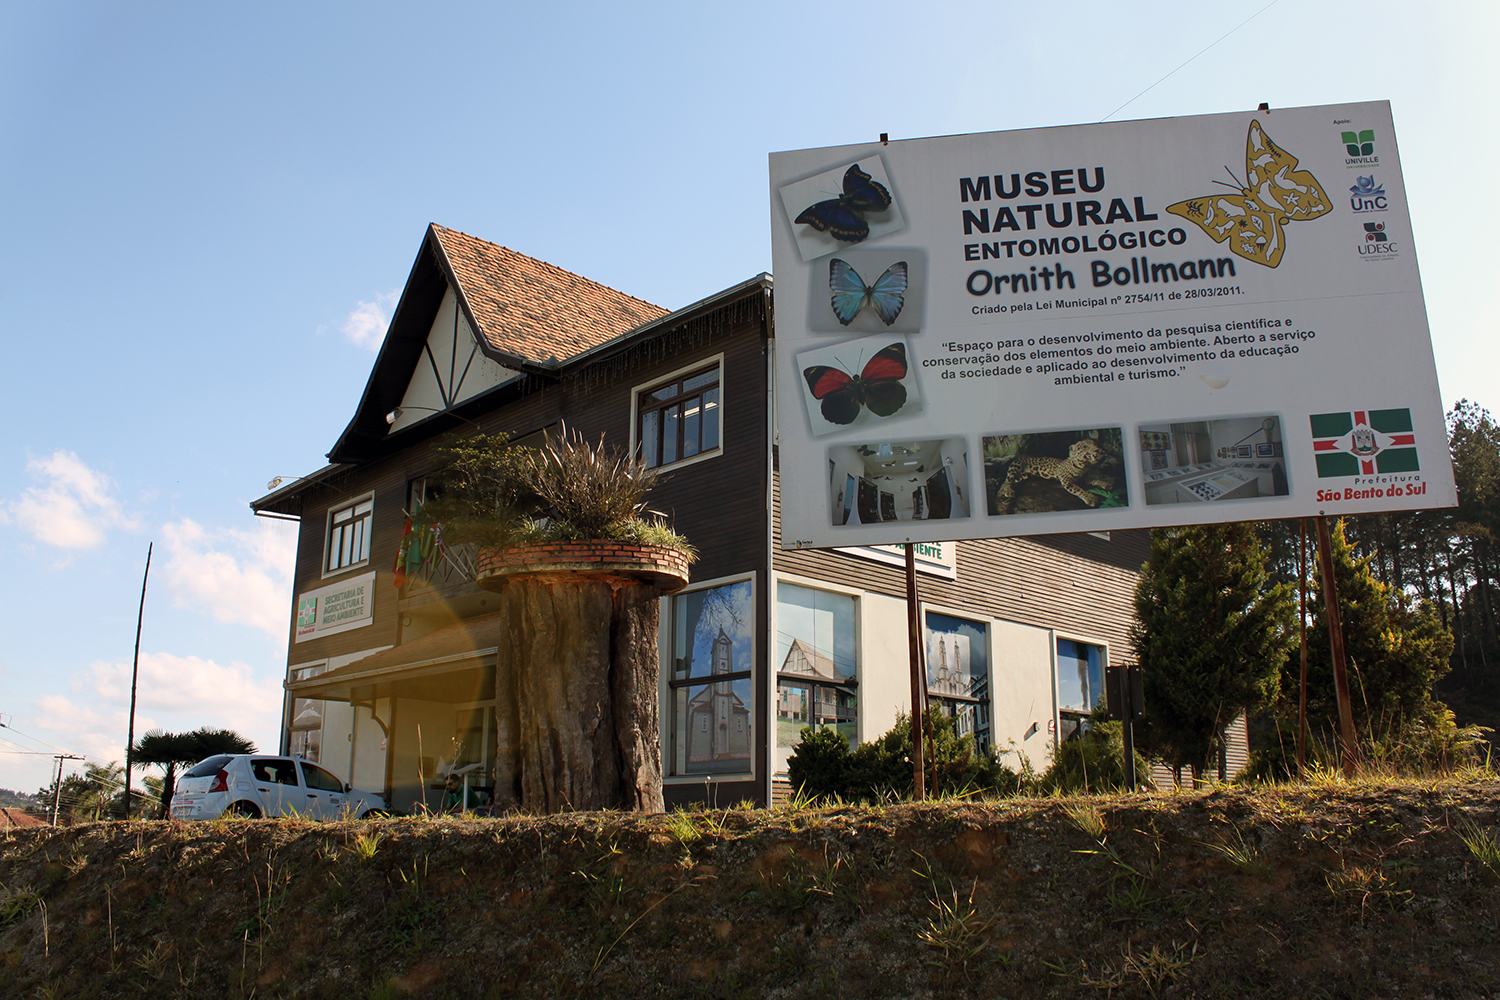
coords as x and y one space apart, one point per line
1474 441
1211 634
1396 650
169 751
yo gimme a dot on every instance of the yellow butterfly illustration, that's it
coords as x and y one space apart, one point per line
1273 194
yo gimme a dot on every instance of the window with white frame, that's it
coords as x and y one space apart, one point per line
348 535
710 691
817 663
958 678
1080 684
679 418
305 727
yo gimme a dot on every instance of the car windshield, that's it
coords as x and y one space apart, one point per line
212 765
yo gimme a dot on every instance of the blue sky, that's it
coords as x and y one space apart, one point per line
207 209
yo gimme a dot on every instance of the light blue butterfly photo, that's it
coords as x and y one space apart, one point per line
868 290
850 293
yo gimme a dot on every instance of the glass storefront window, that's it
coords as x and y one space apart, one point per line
1080 684
712 703
817 672
958 676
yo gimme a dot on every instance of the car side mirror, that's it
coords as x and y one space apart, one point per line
348 788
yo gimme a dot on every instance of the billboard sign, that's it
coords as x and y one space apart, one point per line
1096 327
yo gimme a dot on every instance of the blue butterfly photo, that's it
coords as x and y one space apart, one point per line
850 293
843 217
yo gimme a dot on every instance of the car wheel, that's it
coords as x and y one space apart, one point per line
245 810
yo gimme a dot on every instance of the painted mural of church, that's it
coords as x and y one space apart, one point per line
718 721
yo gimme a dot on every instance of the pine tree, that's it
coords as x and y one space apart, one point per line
1395 652
1211 634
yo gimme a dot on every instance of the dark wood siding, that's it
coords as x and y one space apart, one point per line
718 503
1074 583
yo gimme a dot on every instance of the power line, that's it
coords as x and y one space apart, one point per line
1210 45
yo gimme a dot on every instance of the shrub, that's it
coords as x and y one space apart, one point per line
1094 762
822 764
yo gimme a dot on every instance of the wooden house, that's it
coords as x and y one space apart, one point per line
391 670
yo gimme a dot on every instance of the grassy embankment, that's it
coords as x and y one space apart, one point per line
1361 889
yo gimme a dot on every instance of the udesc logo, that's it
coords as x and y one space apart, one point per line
1367 196
1377 244
1361 149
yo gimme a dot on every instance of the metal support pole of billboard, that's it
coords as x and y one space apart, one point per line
135 666
918 685
1336 644
1127 698
1302 632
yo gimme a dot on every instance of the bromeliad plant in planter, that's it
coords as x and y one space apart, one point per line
579 563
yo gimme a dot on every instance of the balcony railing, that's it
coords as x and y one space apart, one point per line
442 566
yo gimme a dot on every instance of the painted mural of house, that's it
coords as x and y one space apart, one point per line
393 664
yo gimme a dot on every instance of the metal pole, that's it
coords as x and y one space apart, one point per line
1302 631
1127 674
135 666
918 682
1336 643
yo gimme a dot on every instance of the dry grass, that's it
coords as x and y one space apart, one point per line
1139 895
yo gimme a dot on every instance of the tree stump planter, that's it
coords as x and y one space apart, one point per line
576 685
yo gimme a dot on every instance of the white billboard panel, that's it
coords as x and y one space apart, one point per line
1134 324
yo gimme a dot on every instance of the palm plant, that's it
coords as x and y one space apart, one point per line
498 494
170 751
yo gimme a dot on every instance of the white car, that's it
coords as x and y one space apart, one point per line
257 785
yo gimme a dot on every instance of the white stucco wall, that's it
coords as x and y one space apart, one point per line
1021 688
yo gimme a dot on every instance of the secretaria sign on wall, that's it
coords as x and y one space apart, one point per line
1135 324
340 607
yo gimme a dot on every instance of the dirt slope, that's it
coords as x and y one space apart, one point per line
1346 891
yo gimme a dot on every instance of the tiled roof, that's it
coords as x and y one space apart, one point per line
529 309
11 816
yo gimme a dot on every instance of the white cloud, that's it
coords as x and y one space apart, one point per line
185 692
72 508
175 693
237 577
365 325
97 732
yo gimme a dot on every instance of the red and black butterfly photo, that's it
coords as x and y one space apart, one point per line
877 387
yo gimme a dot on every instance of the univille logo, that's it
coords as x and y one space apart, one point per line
1361 148
1367 196
1363 443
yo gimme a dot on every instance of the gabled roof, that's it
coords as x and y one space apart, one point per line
820 662
529 316
529 311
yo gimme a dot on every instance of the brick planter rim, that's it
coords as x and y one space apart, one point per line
603 560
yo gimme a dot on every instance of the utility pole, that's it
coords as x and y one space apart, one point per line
57 783
135 666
